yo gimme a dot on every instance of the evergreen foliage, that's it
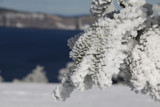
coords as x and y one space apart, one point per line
126 40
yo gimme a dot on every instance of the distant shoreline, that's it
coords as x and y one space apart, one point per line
12 18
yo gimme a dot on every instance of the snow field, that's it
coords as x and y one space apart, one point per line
39 95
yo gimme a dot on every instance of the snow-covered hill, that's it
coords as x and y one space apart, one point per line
20 19
39 95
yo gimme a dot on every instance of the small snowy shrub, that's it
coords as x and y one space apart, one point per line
1 78
126 40
36 76
64 71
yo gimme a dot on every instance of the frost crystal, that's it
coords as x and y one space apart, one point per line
98 7
127 41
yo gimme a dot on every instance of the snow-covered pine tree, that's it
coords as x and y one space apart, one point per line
126 40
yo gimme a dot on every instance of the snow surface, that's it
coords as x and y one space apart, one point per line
39 95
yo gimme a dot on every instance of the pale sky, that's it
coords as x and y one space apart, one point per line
60 7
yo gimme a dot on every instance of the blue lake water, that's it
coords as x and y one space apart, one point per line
22 49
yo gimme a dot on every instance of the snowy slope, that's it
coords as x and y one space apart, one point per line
39 95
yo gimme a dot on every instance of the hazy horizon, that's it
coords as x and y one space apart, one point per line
58 7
